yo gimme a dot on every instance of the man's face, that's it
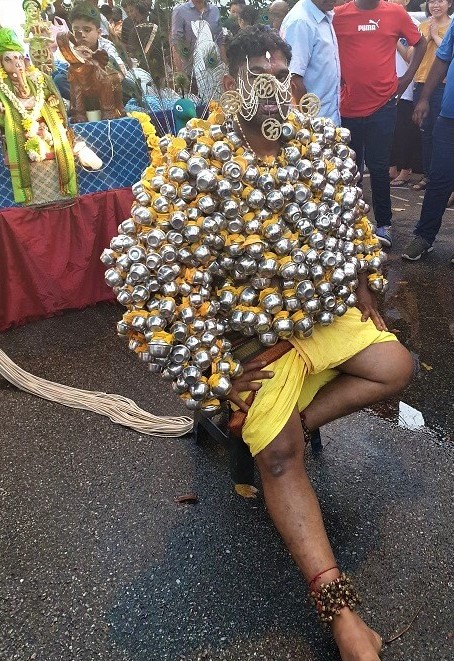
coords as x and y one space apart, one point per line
325 5
276 14
86 33
133 14
277 66
234 11
13 63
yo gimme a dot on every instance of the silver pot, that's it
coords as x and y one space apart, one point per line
269 338
224 189
196 164
179 331
251 175
263 322
155 237
207 204
256 199
159 348
153 261
303 327
232 171
275 200
325 318
283 328
223 384
272 303
206 180
221 151
138 273
188 192
113 278
305 290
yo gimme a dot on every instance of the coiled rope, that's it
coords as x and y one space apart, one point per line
118 409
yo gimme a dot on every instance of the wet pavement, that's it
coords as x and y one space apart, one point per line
99 561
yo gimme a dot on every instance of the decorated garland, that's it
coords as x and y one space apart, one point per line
38 139
220 241
148 128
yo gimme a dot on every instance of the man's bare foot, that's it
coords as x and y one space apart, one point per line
355 640
393 172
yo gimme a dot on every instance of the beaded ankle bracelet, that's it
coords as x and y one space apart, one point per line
330 598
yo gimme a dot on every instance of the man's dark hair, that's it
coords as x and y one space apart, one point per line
254 41
237 2
117 14
106 11
86 12
142 7
249 14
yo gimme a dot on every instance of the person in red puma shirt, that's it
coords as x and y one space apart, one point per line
367 34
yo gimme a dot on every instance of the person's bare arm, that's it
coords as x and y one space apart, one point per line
418 53
405 51
223 53
177 61
436 74
298 88
176 39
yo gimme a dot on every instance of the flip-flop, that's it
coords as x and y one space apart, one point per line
399 183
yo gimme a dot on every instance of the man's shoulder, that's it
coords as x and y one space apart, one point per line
300 13
215 11
178 9
346 9
392 9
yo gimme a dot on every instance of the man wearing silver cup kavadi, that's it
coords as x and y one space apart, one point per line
251 222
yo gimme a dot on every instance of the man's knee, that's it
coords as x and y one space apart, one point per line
280 456
403 368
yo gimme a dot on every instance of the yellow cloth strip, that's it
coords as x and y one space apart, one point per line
301 372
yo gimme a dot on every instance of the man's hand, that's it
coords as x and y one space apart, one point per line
421 111
367 304
248 381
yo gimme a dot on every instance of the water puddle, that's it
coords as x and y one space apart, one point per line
407 417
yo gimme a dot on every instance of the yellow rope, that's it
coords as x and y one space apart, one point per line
119 409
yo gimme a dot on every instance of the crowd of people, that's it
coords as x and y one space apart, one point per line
369 61
364 59
377 67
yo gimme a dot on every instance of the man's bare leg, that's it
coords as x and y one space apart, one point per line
373 375
294 509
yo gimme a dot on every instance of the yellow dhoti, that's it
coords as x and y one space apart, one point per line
302 371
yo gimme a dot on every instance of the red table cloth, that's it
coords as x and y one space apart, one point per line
49 257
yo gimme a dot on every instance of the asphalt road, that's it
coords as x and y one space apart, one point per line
98 560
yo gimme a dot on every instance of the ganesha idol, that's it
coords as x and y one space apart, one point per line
34 123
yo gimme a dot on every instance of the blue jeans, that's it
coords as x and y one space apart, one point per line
441 180
429 123
62 84
372 140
